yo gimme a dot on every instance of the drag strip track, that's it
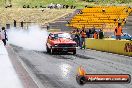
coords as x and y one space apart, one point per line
59 71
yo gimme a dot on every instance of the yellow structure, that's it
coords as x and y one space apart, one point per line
105 17
123 47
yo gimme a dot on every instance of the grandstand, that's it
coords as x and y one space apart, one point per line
101 17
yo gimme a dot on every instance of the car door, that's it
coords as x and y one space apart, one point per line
49 41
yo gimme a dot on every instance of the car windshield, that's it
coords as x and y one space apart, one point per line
62 35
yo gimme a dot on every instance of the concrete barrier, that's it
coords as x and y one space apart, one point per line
123 47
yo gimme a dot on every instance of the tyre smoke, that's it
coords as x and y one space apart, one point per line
32 39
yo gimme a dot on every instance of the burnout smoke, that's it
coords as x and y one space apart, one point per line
32 39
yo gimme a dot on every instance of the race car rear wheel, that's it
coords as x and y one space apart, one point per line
51 51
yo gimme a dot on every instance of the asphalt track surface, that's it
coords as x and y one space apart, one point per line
59 71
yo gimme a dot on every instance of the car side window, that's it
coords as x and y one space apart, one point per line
49 37
52 36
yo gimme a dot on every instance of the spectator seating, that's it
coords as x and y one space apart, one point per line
106 17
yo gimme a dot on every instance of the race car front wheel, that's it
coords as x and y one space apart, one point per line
47 49
74 52
51 51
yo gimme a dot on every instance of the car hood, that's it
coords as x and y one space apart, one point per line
63 41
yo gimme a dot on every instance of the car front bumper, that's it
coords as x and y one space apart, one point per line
64 49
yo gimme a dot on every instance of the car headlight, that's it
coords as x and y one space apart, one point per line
55 45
